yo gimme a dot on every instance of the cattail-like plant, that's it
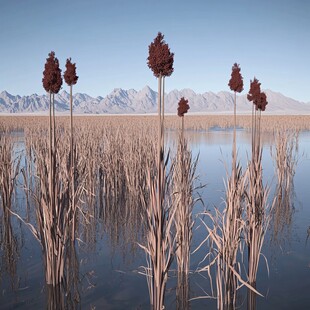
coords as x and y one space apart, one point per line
259 104
71 78
159 213
52 82
236 85
160 61
184 168
52 193
182 109
257 214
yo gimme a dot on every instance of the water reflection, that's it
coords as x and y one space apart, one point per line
120 224
9 250
285 156
66 295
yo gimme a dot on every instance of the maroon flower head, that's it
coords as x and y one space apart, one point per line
261 102
52 80
160 59
183 107
70 73
254 92
236 81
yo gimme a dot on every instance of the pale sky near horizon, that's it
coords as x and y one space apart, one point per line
108 40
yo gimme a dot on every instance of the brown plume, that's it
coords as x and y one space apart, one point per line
52 80
259 98
183 107
254 92
261 102
70 73
160 59
236 81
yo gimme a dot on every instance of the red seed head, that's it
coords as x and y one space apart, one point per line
261 102
52 80
70 73
254 92
236 81
183 107
160 59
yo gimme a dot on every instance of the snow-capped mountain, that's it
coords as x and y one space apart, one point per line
121 101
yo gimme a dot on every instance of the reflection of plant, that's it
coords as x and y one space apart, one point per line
285 156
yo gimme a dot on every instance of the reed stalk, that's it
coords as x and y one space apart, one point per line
9 171
184 168
285 156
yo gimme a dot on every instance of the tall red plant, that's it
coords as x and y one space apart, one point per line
182 109
236 85
159 240
52 83
71 79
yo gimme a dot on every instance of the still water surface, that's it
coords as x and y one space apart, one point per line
108 275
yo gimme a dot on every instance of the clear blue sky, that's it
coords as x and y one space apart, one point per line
108 40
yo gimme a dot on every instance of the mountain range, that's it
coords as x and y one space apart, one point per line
121 101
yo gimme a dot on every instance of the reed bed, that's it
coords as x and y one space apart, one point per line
9 171
117 181
285 155
193 122
224 252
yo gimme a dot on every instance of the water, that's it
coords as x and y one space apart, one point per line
108 275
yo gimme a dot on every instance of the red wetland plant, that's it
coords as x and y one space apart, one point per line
236 80
160 243
52 80
71 79
261 102
160 59
236 85
70 73
254 92
183 107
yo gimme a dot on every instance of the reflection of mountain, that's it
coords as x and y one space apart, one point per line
144 101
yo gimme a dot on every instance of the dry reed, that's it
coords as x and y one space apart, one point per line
184 169
285 155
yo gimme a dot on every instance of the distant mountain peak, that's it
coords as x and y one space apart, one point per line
145 101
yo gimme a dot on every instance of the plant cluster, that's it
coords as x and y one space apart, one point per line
259 98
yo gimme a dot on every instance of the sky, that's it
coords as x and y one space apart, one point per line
108 40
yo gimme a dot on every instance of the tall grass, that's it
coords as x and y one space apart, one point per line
184 169
285 155
123 180
9 171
